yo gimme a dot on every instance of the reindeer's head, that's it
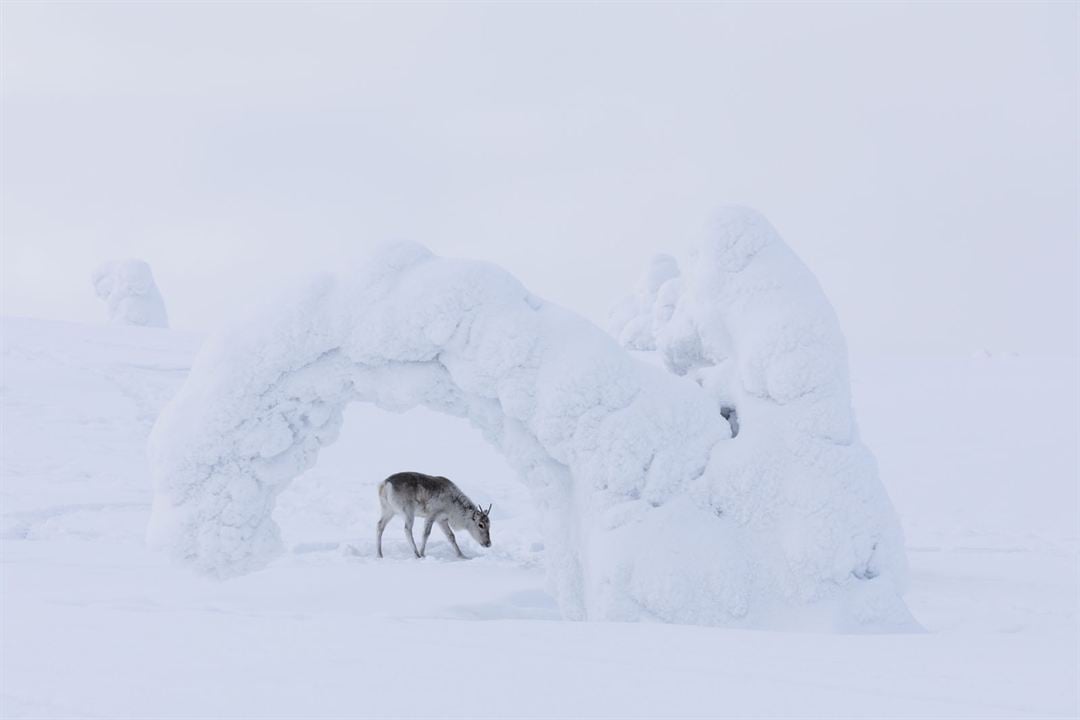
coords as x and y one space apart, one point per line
479 525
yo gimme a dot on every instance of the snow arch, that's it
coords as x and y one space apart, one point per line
649 508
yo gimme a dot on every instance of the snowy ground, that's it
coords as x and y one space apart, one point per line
979 455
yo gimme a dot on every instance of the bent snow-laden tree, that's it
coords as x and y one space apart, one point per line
651 508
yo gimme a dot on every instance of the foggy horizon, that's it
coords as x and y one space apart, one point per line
922 160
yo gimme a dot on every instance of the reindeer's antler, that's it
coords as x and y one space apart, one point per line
488 511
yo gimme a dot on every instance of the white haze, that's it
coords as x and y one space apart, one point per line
922 159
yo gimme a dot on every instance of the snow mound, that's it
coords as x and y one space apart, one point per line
649 508
130 293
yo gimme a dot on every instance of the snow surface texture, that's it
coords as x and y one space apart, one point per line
649 508
129 291
93 625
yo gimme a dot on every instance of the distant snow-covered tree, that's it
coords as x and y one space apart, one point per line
129 291
635 320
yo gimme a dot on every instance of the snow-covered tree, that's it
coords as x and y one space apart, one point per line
635 320
650 508
130 293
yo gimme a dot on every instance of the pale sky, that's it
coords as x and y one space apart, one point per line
922 159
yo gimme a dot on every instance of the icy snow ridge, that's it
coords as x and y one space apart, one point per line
130 293
651 509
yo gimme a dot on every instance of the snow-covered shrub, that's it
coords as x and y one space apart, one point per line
650 509
129 291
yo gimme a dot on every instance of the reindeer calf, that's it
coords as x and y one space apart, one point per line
438 500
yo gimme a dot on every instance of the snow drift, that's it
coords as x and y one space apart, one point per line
650 508
130 293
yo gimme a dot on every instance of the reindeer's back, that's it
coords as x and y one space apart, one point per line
427 492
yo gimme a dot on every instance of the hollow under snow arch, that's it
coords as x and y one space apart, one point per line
649 508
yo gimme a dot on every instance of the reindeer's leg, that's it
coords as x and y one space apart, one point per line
387 515
408 530
427 531
445 525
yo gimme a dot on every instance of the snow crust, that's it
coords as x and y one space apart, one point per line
650 509
130 293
